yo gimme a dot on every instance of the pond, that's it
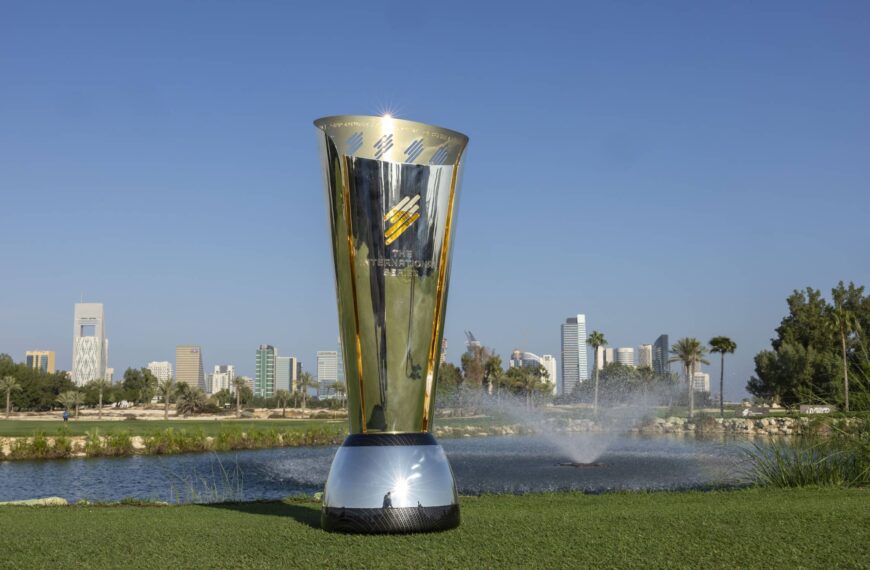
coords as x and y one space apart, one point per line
509 464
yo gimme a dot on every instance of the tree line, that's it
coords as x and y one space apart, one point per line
820 352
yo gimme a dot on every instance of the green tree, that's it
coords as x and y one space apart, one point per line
190 400
528 381
846 324
303 383
820 353
165 389
596 340
100 385
723 345
689 352
239 384
71 399
492 371
9 384
341 391
282 396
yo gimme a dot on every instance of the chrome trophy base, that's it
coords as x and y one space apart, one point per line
390 483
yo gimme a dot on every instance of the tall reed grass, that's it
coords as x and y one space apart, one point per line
841 460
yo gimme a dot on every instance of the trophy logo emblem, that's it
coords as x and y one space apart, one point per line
401 217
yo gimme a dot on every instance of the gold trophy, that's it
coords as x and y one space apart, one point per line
392 188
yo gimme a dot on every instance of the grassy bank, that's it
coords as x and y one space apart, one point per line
26 428
737 529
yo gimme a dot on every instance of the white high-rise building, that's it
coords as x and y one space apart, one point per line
603 357
574 365
285 375
161 370
90 354
624 355
645 356
548 361
222 378
327 372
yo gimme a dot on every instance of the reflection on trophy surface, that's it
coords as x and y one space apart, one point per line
392 190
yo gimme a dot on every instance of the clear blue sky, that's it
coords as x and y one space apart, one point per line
672 167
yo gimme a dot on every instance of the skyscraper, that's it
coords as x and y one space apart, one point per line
624 355
645 356
574 368
264 379
661 354
90 346
40 360
188 366
161 370
327 371
285 375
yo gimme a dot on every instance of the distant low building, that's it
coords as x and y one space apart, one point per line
624 355
161 370
40 360
520 358
701 382
222 378
327 372
645 356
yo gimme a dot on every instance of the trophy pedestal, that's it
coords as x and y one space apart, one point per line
390 483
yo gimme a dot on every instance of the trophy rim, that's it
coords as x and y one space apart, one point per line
323 123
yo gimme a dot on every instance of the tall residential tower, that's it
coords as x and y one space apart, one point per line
574 367
264 378
661 354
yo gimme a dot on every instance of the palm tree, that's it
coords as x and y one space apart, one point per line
9 384
341 390
165 389
101 385
690 352
527 380
492 372
71 399
723 345
845 322
238 384
282 396
190 401
305 382
646 376
596 340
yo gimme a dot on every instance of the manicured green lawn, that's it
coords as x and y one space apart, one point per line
735 529
19 428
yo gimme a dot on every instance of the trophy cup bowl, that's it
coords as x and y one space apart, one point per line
391 189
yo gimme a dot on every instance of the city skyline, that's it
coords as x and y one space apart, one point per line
268 374
717 154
